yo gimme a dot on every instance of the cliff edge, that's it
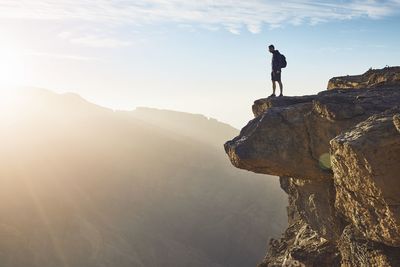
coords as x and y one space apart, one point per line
337 154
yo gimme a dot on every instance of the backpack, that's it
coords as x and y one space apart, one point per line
282 61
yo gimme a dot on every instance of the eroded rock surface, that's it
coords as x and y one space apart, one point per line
387 77
366 164
338 156
301 246
313 226
291 137
355 250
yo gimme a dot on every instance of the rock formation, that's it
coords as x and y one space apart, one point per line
387 77
338 157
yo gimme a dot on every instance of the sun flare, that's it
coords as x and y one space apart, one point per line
11 67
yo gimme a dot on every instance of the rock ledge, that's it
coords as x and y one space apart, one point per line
338 157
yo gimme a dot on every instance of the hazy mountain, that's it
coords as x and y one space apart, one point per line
82 185
196 126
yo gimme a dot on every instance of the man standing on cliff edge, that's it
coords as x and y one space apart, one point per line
277 66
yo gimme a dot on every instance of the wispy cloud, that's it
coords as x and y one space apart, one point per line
94 40
58 56
98 41
332 49
233 15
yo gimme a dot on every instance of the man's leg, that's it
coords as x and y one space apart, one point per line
273 87
273 83
280 87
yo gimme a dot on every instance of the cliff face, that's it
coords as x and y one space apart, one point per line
338 157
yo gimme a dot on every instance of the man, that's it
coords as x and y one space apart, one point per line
276 70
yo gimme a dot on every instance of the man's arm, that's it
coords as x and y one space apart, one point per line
275 63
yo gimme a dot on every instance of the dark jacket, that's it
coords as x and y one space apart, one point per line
276 61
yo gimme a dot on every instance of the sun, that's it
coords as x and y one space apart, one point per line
11 67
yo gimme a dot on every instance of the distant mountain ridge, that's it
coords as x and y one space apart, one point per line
201 128
85 186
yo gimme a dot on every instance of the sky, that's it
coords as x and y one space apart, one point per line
207 57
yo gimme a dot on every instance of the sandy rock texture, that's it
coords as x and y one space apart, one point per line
373 78
366 165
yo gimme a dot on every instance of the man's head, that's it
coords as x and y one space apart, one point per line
271 48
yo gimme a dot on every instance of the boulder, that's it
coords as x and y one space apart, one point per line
366 166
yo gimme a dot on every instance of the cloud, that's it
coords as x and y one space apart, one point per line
98 41
233 15
93 40
331 49
65 35
58 56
